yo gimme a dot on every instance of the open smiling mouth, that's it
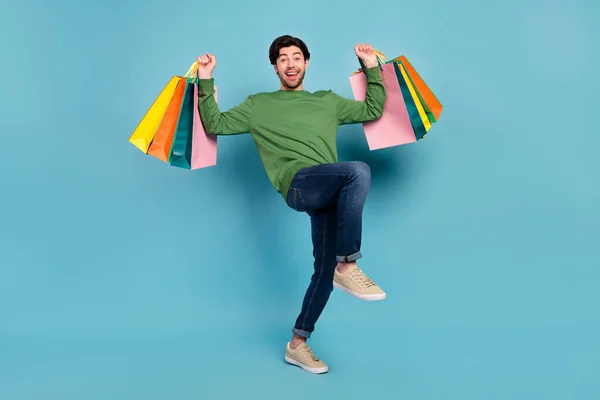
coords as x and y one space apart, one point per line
291 74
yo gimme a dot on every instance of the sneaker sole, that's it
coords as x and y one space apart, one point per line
367 297
320 370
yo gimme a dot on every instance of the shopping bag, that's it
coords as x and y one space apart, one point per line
393 128
163 139
427 98
181 148
204 146
418 117
408 99
144 132
172 128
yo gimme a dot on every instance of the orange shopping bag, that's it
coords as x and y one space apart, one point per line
161 144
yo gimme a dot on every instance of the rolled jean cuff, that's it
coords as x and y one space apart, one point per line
350 258
302 333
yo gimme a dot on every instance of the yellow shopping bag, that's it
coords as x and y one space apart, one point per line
146 129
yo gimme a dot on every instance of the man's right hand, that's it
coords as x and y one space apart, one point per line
206 65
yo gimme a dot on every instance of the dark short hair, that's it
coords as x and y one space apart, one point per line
286 41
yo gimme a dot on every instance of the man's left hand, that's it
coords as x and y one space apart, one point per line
366 54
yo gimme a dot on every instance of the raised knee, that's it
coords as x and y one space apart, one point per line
361 171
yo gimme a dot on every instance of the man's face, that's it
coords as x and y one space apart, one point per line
291 67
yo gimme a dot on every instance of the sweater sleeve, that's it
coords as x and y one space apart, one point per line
351 111
232 122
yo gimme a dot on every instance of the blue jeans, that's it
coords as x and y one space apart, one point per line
333 195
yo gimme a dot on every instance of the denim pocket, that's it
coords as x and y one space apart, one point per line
298 202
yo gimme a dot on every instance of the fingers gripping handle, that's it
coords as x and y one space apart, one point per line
381 59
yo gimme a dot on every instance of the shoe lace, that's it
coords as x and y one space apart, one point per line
361 279
310 354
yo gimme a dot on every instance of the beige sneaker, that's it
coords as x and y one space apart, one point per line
303 357
356 283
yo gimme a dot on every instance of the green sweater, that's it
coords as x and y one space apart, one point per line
292 129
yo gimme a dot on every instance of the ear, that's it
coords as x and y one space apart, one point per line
306 64
275 68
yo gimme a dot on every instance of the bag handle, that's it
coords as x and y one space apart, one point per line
381 59
192 72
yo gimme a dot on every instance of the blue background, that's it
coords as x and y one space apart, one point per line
124 278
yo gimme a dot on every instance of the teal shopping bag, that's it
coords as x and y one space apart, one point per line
181 149
411 107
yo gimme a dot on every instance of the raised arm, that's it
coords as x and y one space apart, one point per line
232 122
353 111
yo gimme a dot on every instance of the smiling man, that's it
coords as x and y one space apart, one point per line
295 134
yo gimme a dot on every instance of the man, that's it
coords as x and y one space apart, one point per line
295 135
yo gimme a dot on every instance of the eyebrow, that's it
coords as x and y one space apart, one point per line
283 55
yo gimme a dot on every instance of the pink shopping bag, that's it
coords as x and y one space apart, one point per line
204 146
394 127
